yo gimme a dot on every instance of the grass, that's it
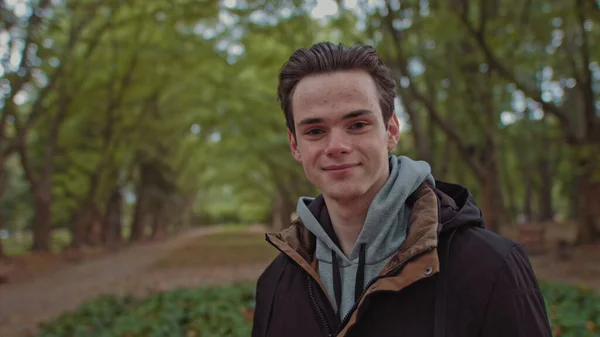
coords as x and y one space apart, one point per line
235 246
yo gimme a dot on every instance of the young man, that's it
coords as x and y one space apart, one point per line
384 250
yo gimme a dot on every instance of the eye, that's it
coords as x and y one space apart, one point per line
314 132
358 125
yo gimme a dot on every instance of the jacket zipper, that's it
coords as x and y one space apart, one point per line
314 301
394 271
347 316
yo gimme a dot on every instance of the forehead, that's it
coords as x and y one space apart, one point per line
334 94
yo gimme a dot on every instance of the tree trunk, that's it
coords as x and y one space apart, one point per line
41 218
79 227
545 197
140 214
86 223
528 197
41 185
574 198
2 253
509 193
3 181
283 209
113 225
276 217
286 213
589 206
418 129
95 229
442 161
159 223
84 229
492 203
159 230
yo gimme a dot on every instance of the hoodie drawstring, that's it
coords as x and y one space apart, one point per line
360 273
337 278
337 282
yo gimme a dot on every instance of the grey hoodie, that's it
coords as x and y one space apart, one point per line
383 232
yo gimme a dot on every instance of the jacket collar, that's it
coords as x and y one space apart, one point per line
298 243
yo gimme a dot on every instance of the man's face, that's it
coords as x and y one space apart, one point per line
341 138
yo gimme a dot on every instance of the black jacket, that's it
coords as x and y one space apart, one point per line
450 278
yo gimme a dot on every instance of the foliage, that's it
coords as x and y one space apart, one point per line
17 243
573 311
210 311
93 91
224 311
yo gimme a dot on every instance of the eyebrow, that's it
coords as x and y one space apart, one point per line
353 114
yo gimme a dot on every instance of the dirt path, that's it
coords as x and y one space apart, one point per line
133 271
24 304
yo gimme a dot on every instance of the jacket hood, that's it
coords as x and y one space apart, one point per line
457 207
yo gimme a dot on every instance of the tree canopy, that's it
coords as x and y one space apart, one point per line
122 119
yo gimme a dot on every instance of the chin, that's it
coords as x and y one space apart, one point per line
344 192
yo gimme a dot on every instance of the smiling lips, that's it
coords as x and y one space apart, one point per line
339 168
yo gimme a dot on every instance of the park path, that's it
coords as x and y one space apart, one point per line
24 304
129 271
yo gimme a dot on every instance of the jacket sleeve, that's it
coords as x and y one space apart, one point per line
257 326
516 306
266 286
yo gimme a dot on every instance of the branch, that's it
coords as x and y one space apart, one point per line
418 129
503 71
38 108
429 105
523 22
483 16
3 121
32 24
571 51
24 158
587 90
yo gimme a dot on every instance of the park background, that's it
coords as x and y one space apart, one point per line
143 154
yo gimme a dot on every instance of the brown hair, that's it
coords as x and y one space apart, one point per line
326 57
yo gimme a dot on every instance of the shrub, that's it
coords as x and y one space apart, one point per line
214 311
226 311
573 311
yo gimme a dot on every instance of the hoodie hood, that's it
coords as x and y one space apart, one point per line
386 209
382 234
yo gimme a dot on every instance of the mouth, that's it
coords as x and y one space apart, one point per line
339 167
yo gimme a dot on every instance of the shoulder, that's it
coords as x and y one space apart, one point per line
271 275
480 260
481 246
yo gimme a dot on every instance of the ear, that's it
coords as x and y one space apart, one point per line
393 132
294 146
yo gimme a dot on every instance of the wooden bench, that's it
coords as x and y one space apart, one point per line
533 238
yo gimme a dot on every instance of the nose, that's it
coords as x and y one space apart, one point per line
339 143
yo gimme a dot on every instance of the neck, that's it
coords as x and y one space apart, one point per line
348 215
347 219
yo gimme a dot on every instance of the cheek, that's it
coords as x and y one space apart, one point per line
309 152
